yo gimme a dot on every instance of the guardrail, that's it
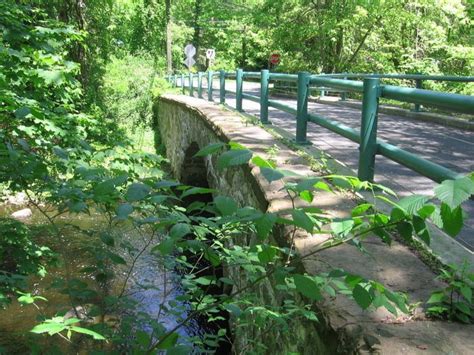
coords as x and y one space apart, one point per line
371 90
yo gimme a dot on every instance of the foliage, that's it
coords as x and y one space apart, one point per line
65 150
57 325
20 256
455 301
130 83
367 36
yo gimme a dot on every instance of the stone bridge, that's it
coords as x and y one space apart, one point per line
186 124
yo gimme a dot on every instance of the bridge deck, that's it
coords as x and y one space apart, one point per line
450 147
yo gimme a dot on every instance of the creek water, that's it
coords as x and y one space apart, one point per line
148 286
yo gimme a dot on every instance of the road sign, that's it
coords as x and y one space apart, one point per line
189 51
189 62
275 58
211 54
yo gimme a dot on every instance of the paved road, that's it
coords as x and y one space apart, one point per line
450 147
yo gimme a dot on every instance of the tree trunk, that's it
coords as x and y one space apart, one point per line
197 29
169 38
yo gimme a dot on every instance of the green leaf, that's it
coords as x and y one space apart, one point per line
307 287
124 210
413 203
397 214
301 220
51 76
361 296
226 205
421 229
453 220
234 309
86 331
306 196
209 149
463 308
426 211
398 299
142 338
436 297
197 191
26 299
137 191
233 157
455 192
406 230
60 153
264 225
165 247
179 230
168 341
22 112
50 328
267 254
342 227
211 256
107 239
466 292
117 259
307 184
262 163
360 209
271 174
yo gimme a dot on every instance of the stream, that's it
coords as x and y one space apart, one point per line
148 286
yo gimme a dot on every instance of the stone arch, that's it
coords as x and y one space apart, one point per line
194 173
193 169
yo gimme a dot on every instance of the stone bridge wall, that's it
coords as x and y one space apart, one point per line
185 128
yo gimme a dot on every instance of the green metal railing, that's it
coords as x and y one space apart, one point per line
370 88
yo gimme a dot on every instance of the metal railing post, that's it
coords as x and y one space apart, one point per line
302 108
200 85
209 85
344 93
239 76
419 85
174 80
182 82
264 81
191 88
222 86
368 129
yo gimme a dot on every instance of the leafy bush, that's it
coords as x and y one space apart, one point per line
127 90
20 256
455 301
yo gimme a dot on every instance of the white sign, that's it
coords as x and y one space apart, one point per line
211 54
189 62
189 51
